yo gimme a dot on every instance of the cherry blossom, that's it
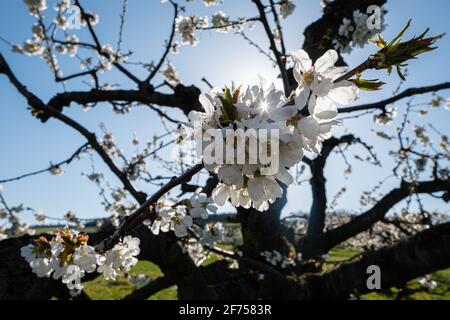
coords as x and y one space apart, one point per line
287 7
262 106
201 205
354 32
68 257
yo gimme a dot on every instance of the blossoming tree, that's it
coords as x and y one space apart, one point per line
317 93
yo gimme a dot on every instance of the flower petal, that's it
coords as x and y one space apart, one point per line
343 92
323 108
220 194
301 97
207 103
255 189
284 113
302 60
309 127
326 61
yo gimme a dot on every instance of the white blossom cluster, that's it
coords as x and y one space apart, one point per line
173 215
139 280
437 101
220 21
427 282
275 258
186 27
10 221
207 3
287 8
170 74
262 106
35 6
386 117
67 16
210 235
68 257
354 32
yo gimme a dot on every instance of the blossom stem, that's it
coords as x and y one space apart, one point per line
366 65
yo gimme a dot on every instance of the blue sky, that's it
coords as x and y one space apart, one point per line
28 145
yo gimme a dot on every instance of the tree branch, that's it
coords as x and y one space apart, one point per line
407 93
377 212
316 221
37 104
59 164
168 45
273 46
422 254
184 98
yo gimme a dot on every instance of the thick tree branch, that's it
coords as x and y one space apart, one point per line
377 213
422 254
316 221
184 98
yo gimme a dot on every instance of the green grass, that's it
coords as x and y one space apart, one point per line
101 289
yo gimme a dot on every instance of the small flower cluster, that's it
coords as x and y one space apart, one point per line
275 258
354 32
173 215
196 251
207 3
139 280
170 74
35 6
386 117
68 257
427 283
437 101
13 220
220 21
186 27
262 106
67 16
287 8
211 234
120 259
